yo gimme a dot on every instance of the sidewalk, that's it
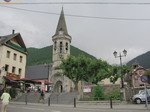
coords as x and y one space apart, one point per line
120 106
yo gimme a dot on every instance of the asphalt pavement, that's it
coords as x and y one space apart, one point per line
87 106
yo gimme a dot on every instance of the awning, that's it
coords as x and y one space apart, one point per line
40 81
26 80
12 76
7 79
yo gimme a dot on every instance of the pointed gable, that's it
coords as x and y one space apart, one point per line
14 41
61 24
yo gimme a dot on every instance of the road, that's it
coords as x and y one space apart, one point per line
44 108
64 108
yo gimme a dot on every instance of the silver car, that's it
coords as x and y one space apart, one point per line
141 96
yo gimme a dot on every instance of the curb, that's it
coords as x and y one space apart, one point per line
114 107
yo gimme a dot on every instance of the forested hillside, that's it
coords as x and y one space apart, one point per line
143 60
44 55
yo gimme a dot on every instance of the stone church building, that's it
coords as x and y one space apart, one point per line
61 49
53 79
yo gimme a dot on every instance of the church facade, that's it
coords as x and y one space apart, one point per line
61 49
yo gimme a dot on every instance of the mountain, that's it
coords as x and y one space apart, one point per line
38 56
143 60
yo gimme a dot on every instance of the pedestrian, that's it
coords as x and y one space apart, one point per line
42 96
5 100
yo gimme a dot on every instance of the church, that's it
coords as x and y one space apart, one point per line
61 49
54 79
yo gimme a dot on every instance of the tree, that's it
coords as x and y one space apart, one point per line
82 68
117 72
114 75
73 67
96 71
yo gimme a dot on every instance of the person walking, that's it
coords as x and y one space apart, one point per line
42 96
5 100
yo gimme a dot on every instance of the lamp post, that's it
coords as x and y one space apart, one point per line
49 86
122 81
48 74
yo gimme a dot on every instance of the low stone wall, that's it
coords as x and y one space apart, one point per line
106 102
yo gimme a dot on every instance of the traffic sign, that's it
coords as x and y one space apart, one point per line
144 78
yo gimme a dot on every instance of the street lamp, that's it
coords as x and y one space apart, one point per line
48 66
120 57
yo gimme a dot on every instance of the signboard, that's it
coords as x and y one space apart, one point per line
86 89
144 78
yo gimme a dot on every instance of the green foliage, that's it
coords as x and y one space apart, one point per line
98 93
76 52
39 56
12 92
117 72
84 68
44 55
103 71
115 95
74 68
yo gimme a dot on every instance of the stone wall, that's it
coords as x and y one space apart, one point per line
107 89
111 87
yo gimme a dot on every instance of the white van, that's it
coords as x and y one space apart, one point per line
141 97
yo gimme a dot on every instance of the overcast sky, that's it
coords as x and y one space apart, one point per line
96 36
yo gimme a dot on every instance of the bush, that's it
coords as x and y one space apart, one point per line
98 93
12 92
115 95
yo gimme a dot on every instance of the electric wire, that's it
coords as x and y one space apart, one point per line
75 3
81 16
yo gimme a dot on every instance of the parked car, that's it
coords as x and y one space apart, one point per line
141 97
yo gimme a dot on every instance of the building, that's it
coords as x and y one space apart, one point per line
13 55
134 81
57 82
61 49
137 72
40 74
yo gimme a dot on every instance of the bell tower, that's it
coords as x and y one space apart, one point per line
61 49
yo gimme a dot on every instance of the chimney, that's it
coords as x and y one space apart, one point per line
13 31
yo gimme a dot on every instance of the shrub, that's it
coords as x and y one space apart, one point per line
98 93
13 92
115 95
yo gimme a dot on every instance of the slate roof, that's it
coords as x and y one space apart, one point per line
37 72
6 38
61 25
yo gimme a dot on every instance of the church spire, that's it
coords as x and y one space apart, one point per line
61 24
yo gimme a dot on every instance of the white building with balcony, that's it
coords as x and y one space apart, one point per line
13 55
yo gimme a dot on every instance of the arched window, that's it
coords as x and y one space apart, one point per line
66 46
55 45
61 47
